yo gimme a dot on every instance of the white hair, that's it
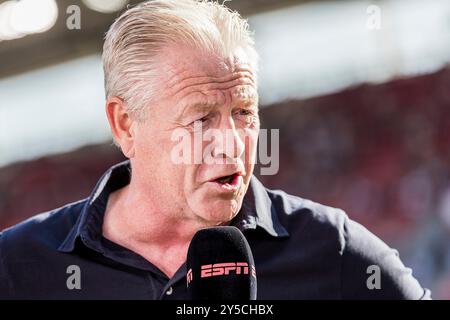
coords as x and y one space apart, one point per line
135 39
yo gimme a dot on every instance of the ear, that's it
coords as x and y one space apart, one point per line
121 125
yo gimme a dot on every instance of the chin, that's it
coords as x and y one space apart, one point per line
220 212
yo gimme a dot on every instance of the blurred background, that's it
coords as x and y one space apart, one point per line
360 91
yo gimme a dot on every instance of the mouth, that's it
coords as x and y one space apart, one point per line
230 182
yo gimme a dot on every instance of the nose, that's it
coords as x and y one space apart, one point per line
229 145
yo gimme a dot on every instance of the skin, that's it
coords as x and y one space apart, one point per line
165 204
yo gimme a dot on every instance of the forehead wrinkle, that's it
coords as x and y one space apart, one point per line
202 85
229 94
195 107
179 81
176 72
245 95
224 78
207 103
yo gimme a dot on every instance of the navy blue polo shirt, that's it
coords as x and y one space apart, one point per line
302 250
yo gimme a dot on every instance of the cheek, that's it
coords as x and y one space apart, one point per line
179 175
152 150
250 140
145 139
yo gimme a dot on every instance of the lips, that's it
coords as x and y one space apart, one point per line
231 182
227 177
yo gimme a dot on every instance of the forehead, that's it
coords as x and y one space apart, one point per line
176 59
189 74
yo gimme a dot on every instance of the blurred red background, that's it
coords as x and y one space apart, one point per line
380 152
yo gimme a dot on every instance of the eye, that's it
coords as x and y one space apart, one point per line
247 116
245 112
203 119
200 122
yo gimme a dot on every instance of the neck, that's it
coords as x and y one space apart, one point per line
134 222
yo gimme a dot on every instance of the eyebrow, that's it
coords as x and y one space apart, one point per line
199 107
204 107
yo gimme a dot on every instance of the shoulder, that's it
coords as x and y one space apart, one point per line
371 269
297 214
360 255
28 250
48 228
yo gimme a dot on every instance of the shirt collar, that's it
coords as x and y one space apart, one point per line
257 210
88 227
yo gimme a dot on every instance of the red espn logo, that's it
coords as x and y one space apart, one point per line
224 269
221 269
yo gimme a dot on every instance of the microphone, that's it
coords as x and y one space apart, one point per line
220 266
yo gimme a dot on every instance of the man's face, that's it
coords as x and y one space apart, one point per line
207 106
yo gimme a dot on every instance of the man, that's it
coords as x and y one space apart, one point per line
176 70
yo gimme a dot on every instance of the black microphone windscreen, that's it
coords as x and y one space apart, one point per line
220 265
